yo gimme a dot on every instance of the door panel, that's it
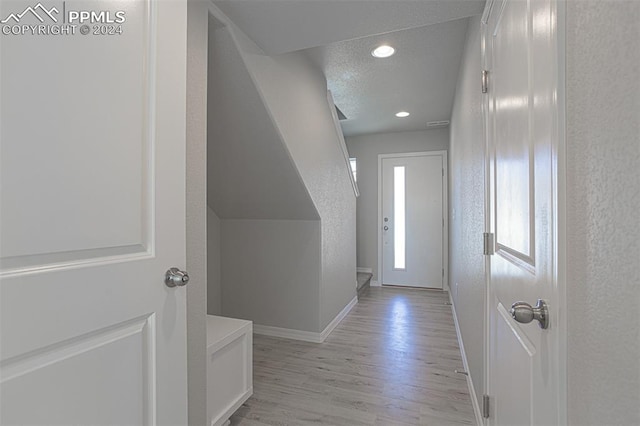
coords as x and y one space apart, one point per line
101 126
92 152
514 350
412 246
523 373
120 388
512 144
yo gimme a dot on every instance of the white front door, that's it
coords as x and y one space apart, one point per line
92 149
524 373
412 219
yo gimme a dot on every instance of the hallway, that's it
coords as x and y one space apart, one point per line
391 361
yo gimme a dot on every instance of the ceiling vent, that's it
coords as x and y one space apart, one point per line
441 123
341 115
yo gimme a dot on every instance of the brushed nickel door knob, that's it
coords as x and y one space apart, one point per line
524 313
176 278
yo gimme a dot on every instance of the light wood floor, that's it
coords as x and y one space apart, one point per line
391 361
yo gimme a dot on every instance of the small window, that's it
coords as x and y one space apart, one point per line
354 168
399 213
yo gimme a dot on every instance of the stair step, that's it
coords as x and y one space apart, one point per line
364 280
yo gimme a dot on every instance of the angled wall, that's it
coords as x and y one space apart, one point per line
250 174
262 221
279 184
295 92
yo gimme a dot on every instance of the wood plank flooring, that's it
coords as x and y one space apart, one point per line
390 362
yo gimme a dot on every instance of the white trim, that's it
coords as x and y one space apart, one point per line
341 142
445 210
287 333
484 52
379 222
472 390
560 228
223 418
343 313
364 270
306 336
487 11
374 283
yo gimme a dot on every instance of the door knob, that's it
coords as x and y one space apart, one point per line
176 278
524 313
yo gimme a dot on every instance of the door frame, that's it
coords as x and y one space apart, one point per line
487 215
558 147
445 209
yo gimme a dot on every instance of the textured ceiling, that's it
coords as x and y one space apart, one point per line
338 36
420 78
280 26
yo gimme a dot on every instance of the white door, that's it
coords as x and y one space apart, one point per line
412 219
524 383
92 149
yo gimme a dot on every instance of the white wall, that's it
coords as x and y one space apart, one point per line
196 208
255 262
603 205
214 267
270 120
366 149
271 272
251 175
295 92
466 206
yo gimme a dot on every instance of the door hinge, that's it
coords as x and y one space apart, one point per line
485 81
442 172
442 272
488 244
485 406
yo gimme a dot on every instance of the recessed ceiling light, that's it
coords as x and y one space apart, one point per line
402 114
383 51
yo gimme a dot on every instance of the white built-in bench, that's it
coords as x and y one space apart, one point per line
229 366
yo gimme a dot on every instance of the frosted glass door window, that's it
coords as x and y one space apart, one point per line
399 216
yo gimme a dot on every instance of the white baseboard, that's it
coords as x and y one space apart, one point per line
374 283
472 390
334 323
287 333
306 336
364 270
